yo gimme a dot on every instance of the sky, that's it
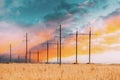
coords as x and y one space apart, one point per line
41 20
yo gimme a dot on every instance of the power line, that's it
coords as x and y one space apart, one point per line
56 49
90 37
38 54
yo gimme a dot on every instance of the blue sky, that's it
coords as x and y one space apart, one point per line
33 12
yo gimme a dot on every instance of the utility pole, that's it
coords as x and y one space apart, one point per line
56 48
60 44
90 33
76 35
10 54
76 46
47 52
38 54
18 58
90 36
57 52
26 56
29 56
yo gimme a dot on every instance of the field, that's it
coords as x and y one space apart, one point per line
14 71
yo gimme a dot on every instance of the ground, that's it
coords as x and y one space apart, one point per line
14 71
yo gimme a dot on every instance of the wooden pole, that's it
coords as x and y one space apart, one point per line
90 46
90 35
76 46
29 56
10 54
18 58
47 51
38 56
60 44
26 48
57 52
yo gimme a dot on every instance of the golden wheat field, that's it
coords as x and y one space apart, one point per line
23 71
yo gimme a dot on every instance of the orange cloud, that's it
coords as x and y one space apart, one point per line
104 40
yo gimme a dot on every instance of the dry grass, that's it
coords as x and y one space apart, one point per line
55 72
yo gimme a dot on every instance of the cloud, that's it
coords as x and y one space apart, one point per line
33 12
108 57
81 13
2 3
114 13
15 34
61 10
10 33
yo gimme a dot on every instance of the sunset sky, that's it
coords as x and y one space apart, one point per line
41 20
